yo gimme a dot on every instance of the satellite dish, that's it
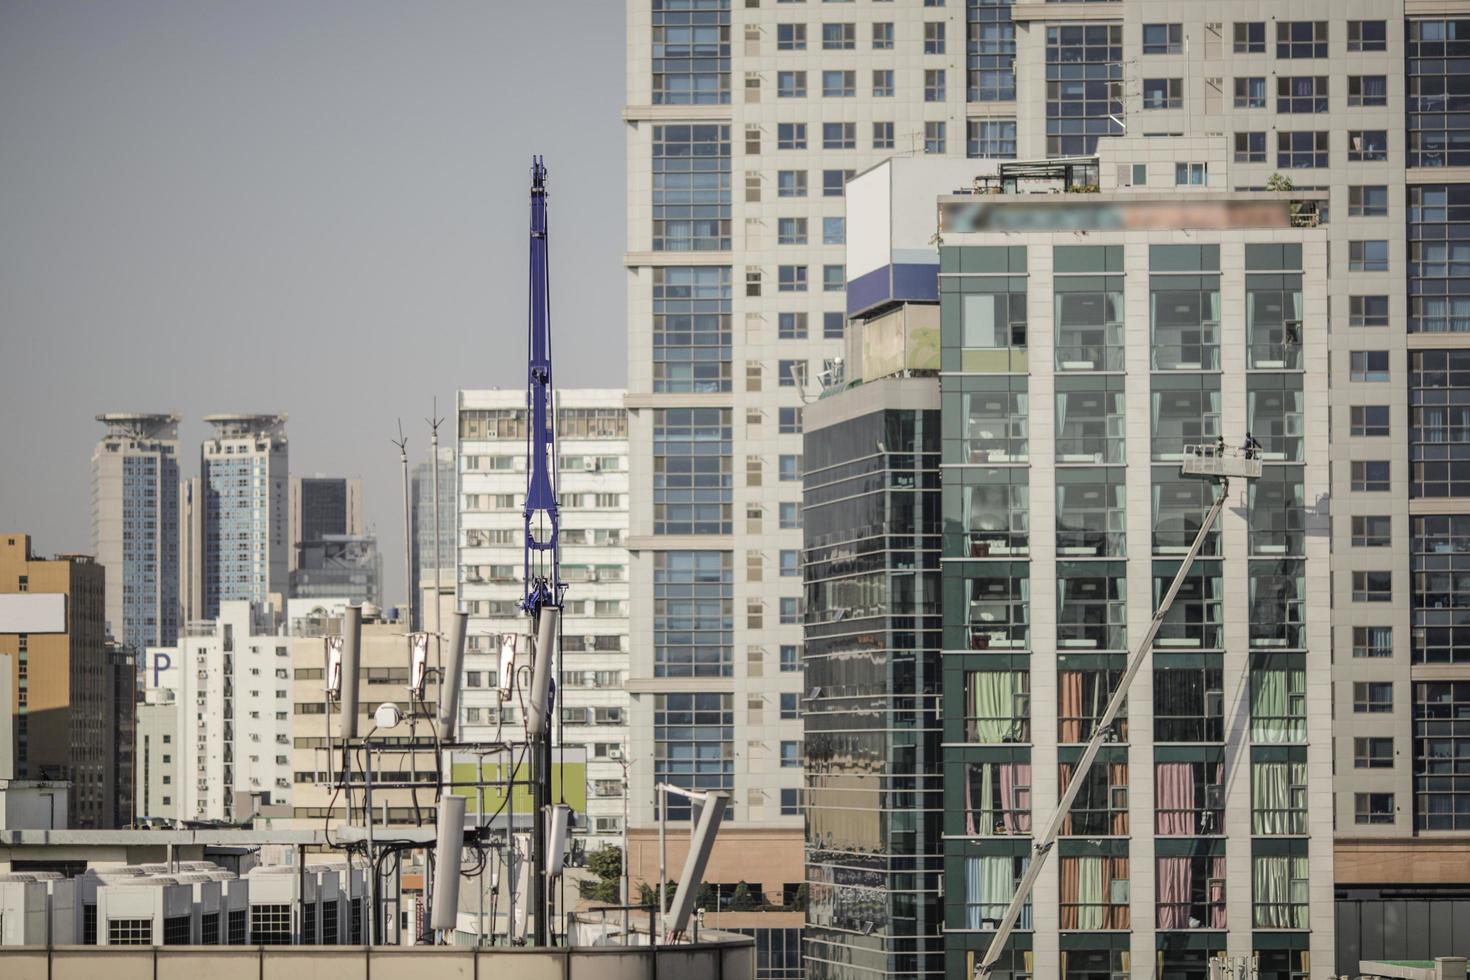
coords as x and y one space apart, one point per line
387 715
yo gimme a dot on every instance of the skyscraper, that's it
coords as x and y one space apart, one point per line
322 505
242 511
421 559
135 531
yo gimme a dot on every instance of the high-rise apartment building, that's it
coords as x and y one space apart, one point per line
52 628
241 502
339 566
421 561
592 460
135 529
323 505
230 678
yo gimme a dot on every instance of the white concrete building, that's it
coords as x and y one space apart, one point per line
592 446
230 678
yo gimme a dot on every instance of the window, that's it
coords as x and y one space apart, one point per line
790 37
1367 35
1370 476
694 610
691 328
934 85
991 51
693 744
1163 93
839 136
1250 93
1250 147
1367 311
1250 37
934 37
1372 641
1367 201
1372 586
883 37
883 83
1367 366
1372 531
1373 808
993 139
1163 38
1189 173
790 512
1372 697
1367 145
691 54
791 136
1301 93
1372 753
832 325
791 231
1369 420
1084 86
1301 149
834 278
1279 797
790 754
791 374
790 84
882 135
791 279
835 181
691 210
1366 90
791 183
839 84
1439 258
789 467
790 802
1281 888
1368 256
791 326
1438 129
1439 423
790 706
790 611
1301 39
790 658
839 37
934 137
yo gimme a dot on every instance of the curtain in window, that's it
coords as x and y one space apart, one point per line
989 884
979 815
1176 883
1069 693
994 693
1274 904
1176 806
1216 893
1272 808
1271 722
1016 802
1088 892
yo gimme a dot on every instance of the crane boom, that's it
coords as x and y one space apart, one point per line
1101 733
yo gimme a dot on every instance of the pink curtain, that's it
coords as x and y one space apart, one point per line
1217 894
1175 881
1070 716
1017 816
1175 781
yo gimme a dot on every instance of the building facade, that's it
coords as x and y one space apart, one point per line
874 800
52 627
135 530
422 517
230 678
592 451
323 505
242 500
156 770
339 566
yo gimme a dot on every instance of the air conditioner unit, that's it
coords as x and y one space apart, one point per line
1214 704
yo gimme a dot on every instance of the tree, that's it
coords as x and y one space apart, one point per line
606 862
647 894
798 903
742 900
1279 182
601 890
705 896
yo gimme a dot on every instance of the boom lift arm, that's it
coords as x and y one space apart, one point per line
1199 461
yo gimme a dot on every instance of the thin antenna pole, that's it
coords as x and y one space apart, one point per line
434 458
402 443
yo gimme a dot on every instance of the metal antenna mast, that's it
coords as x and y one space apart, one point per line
543 586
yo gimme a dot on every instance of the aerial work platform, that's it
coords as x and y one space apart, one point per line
1212 460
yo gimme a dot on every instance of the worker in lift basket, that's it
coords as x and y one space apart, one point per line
1252 447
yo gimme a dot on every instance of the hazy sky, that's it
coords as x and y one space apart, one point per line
315 208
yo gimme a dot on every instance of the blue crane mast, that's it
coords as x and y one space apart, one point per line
542 600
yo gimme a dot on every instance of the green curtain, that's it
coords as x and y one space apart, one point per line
1090 899
1270 723
1272 810
1272 877
994 700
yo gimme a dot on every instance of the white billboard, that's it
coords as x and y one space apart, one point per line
33 612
